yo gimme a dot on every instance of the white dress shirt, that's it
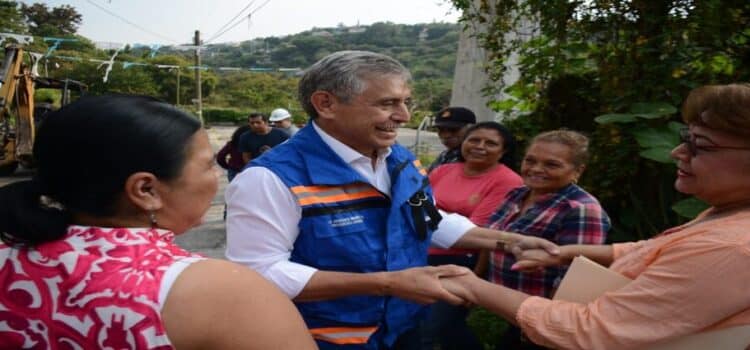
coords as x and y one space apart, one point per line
263 217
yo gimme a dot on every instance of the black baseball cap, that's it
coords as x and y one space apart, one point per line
454 117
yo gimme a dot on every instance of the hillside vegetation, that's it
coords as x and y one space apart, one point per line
251 79
429 50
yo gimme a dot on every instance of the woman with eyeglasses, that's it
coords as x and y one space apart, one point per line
689 279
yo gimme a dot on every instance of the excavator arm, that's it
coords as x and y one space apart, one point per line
16 129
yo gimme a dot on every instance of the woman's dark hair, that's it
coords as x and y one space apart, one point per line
235 140
84 153
509 142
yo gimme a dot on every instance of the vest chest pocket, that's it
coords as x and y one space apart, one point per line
344 242
337 225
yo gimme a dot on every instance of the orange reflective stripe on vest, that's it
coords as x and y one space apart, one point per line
344 335
307 195
418 164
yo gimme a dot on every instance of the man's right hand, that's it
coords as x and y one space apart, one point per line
422 284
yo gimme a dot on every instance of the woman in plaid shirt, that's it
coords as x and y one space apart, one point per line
550 205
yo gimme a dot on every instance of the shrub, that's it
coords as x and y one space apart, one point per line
224 115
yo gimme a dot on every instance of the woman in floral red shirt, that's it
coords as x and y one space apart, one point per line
88 259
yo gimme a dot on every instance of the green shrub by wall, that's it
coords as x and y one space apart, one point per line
224 115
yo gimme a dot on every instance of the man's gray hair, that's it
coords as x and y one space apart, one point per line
344 74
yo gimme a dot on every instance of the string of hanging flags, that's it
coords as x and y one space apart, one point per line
116 49
128 64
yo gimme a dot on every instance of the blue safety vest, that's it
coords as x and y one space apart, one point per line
348 225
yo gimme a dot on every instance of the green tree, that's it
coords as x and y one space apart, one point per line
43 21
308 47
130 81
166 78
431 94
258 91
11 19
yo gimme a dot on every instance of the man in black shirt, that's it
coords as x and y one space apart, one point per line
260 138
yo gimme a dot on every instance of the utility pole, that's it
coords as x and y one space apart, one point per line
177 103
198 93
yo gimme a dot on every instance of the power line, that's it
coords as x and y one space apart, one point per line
238 22
131 23
232 20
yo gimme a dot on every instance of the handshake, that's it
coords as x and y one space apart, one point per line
453 284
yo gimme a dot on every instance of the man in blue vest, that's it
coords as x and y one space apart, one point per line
340 216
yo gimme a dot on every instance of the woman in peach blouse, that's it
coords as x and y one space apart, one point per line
690 279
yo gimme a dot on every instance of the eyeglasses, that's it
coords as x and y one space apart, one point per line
686 138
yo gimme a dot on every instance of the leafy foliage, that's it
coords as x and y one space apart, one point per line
487 326
429 50
11 19
225 115
43 21
617 70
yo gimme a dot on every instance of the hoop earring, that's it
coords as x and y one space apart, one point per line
152 218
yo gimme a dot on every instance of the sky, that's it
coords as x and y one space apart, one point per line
170 22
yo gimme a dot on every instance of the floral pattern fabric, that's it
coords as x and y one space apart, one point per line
96 288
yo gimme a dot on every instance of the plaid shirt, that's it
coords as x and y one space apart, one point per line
570 216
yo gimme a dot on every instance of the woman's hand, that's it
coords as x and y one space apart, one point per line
424 284
521 243
536 259
460 286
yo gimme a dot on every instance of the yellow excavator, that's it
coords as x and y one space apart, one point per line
17 109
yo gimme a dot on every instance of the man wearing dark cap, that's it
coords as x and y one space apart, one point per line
451 123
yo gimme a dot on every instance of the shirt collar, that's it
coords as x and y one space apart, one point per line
348 154
157 232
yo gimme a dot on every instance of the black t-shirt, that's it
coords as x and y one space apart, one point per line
255 144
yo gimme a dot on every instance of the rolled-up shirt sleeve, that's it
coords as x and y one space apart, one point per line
262 218
450 229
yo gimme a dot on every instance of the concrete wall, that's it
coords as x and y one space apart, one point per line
470 78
